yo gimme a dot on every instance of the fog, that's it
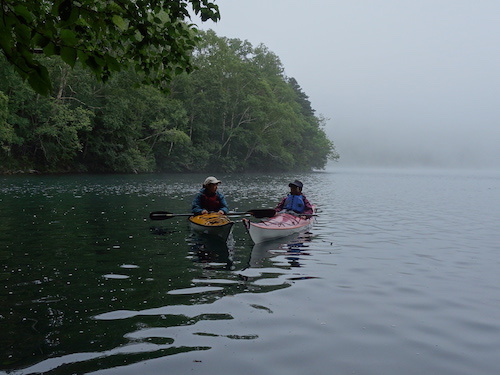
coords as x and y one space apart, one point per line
402 83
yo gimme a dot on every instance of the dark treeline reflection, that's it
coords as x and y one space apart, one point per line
76 249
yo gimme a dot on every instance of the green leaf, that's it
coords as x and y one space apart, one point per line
23 33
41 40
93 65
82 56
99 59
64 9
119 22
5 41
68 37
68 55
112 63
23 12
72 18
39 80
135 33
50 49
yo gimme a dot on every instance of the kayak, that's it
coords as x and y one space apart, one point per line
278 226
213 224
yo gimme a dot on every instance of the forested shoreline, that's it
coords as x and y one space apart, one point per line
237 112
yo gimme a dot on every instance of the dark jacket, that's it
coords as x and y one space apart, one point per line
212 204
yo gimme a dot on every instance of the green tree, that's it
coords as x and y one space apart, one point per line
48 132
6 130
59 137
246 113
133 126
105 36
236 112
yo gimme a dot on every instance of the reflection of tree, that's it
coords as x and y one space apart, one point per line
60 313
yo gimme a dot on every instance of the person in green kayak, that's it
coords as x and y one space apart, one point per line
209 199
295 202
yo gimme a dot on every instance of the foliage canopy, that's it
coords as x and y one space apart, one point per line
149 36
237 111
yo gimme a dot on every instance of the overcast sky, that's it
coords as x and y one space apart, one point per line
401 81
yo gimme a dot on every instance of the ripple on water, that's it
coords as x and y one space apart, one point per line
214 281
196 290
129 266
396 280
115 276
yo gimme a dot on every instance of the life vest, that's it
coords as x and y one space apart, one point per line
294 203
210 203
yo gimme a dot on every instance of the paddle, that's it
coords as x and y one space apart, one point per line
258 213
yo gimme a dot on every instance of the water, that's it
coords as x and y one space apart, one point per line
399 275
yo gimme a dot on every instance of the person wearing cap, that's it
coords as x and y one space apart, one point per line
295 202
209 199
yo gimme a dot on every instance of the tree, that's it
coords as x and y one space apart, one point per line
133 127
237 112
149 36
59 138
6 130
246 113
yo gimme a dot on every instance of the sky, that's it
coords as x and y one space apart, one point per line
401 82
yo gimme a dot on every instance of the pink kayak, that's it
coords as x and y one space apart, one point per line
281 225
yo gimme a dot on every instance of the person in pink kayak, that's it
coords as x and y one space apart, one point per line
295 202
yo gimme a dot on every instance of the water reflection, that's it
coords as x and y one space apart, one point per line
95 286
277 264
292 248
210 252
408 273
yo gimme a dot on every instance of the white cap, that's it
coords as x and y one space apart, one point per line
211 180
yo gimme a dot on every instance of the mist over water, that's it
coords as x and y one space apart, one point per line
381 147
400 83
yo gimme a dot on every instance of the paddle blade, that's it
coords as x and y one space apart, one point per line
263 212
161 215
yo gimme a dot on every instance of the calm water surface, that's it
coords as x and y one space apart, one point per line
399 275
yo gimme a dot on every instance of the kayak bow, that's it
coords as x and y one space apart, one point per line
212 224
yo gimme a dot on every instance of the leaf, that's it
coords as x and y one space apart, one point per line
119 22
135 33
82 56
23 12
39 80
5 40
99 59
68 37
50 49
65 9
68 55
23 33
93 65
41 40
112 63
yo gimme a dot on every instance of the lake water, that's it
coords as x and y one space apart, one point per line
399 275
